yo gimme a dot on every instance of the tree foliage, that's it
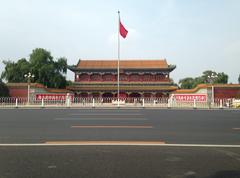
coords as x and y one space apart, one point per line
41 63
3 89
207 76
187 83
239 79
218 77
14 72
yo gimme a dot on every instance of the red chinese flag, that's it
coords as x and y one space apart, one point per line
123 31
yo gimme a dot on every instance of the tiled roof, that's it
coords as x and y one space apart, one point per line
37 85
201 86
126 64
14 85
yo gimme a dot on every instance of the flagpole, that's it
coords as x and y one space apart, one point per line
118 75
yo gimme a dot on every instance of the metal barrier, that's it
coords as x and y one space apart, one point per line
164 102
223 103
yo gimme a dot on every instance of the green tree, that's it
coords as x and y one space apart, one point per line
239 79
198 80
14 72
222 78
216 77
46 71
208 76
3 89
187 83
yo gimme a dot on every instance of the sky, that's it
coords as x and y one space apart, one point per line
194 35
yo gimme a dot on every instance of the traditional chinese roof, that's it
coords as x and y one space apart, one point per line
21 85
124 64
36 85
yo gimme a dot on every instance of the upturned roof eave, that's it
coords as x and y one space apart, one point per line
74 68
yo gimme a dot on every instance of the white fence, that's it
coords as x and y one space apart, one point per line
112 102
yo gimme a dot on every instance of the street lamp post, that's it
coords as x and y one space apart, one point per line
211 81
29 76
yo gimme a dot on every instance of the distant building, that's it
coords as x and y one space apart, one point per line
208 92
138 78
37 91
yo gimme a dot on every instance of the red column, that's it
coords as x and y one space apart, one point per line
141 77
154 77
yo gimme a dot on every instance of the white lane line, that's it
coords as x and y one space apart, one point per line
104 114
236 128
106 142
118 144
113 126
98 119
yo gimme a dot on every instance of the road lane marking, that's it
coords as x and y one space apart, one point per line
98 119
158 144
236 128
105 114
106 142
113 126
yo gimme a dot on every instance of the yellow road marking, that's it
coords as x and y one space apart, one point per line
114 126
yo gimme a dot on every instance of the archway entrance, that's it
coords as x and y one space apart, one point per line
107 95
147 95
122 95
95 95
135 95
83 95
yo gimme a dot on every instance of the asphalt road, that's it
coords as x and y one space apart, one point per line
169 126
209 130
118 162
